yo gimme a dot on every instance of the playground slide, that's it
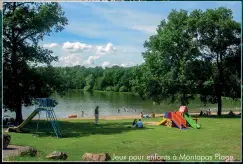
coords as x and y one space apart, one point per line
26 121
163 121
191 121
178 119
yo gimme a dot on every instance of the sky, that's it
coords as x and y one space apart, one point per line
107 34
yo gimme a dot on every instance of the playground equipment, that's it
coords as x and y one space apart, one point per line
46 105
180 119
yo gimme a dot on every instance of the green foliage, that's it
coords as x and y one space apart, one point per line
108 79
109 88
123 89
88 88
24 26
90 81
166 57
115 88
219 39
196 53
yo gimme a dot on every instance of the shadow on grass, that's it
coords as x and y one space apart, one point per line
80 129
216 116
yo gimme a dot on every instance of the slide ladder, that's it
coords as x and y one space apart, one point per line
52 117
48 105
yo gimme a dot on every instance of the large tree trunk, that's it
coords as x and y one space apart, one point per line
15 67
219 99
219 83
18 112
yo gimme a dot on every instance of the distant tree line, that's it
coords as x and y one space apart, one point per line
117 79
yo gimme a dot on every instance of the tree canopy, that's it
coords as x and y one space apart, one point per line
24 26
191 54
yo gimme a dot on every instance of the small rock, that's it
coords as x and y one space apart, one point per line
30 151
57 155
96 157
6 140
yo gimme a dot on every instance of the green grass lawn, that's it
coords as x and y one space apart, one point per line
217 135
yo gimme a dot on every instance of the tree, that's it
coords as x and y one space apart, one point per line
166 57
90 82
219 38
24 25
210 40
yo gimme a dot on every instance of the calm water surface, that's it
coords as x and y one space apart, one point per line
76 101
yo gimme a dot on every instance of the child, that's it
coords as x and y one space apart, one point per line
142 115
139 124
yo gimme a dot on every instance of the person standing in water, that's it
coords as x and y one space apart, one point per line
83 114
96 113
118 110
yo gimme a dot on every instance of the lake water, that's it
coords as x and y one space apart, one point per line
76 101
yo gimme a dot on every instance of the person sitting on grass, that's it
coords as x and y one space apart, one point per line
134 122
139 124
231 113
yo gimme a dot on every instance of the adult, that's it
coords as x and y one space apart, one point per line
96 113
118 110
134 122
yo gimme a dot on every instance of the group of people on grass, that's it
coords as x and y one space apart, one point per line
208 112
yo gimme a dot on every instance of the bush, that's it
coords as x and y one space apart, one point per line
115 88
87 88
123 89
109 88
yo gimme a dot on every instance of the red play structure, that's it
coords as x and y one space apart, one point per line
180 119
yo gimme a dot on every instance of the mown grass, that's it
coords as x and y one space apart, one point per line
217 135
